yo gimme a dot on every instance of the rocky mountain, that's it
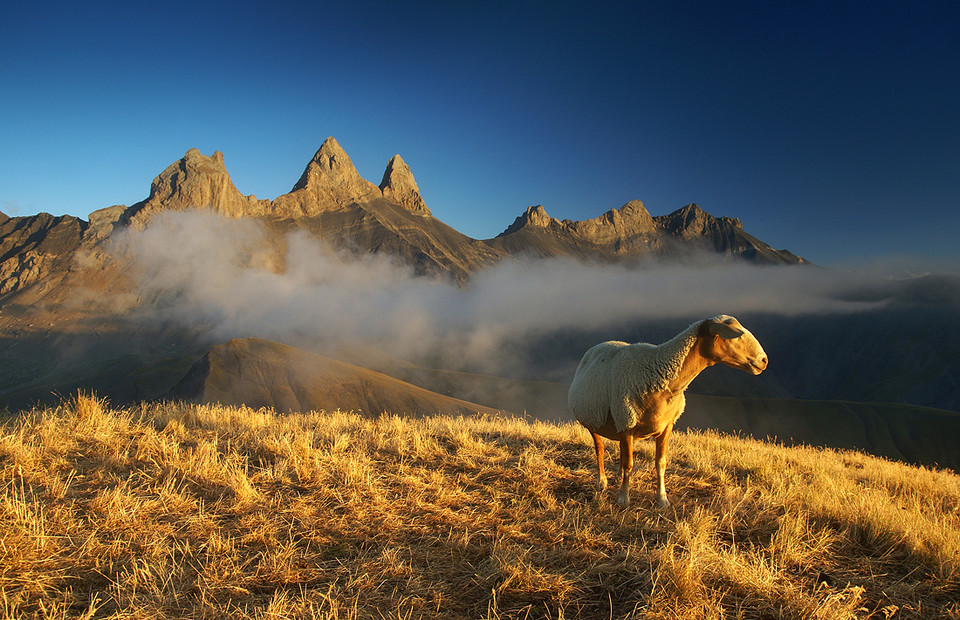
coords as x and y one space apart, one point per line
333 202
329 182
399 187
32 247
195 181
71 315
631 232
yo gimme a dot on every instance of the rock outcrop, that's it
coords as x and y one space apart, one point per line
399 187
534 217
195 182
34 247
630 220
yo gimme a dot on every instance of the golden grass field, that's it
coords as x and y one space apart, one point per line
183 511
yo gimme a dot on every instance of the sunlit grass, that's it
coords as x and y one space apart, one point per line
166 511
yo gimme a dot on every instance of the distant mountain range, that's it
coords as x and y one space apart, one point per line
333 202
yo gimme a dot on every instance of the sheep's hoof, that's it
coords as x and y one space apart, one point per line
624 500
663 501
601 485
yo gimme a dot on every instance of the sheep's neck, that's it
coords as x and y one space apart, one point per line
693 364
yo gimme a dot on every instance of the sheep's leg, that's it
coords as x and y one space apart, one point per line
601 473
626 466
661 465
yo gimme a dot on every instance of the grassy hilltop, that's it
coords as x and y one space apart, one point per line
182 511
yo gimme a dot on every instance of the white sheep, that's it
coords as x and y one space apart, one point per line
633 391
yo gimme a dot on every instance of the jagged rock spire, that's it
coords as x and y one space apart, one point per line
399 187
329 181
196 181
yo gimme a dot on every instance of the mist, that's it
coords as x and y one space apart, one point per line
229 278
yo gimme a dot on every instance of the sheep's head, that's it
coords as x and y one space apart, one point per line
725 340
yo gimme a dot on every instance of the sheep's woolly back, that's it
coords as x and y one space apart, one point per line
610 373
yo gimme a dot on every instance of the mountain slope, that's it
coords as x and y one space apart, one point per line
32 247
382 227
205 511
260 373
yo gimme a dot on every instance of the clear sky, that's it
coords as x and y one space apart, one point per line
831 129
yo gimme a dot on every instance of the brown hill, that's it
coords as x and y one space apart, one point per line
261 373
193 511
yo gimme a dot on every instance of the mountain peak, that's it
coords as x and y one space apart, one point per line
330 180
330 162
535 216
689 221
398 186
629 220
723 235
196 181
329 153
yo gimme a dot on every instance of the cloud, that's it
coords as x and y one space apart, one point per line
235 278
10 207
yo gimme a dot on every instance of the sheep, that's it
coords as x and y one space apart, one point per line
635 391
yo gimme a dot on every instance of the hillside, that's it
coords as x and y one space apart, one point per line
206 511
261 373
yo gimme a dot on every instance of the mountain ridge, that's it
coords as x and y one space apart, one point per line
368 221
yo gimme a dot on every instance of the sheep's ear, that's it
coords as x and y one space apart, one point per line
723 330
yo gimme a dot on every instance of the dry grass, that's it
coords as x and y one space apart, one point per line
213 512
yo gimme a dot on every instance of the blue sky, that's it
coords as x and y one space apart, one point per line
830 129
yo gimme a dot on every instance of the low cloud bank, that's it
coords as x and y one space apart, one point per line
234 278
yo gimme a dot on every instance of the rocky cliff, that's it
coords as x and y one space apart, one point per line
399 187
31 247
195 181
